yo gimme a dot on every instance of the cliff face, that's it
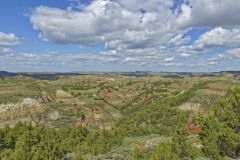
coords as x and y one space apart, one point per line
23 111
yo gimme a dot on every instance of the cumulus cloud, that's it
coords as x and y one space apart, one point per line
169 59
8 39
121 24
77 61
53 61
218 37
232 54
185 51
140 32
211 13
135 21
180 39
5 50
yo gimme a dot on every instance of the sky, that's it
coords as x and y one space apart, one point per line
119 35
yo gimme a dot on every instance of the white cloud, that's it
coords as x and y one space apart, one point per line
180 39
185 51
183 54
130 22
218 37
211 13
121 24
169 59
5 50
233 54
55 60
138 32
8 39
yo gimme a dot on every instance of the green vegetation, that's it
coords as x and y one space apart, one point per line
220 126
27 142
120 117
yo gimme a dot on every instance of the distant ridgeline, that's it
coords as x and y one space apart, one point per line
55 76
40 76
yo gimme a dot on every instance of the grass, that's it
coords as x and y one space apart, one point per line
122 94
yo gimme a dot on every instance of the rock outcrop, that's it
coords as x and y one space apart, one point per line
15 112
